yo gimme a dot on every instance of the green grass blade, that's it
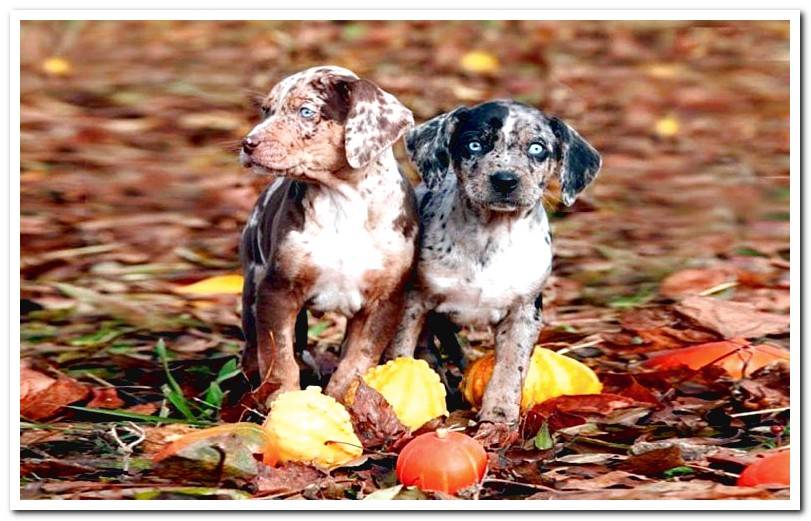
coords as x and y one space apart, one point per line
120 413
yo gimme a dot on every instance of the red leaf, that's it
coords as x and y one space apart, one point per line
638 392
735 356
105 398
42 396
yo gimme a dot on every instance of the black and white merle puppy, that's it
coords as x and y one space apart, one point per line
485 246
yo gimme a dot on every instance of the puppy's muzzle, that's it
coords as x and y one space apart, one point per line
503 182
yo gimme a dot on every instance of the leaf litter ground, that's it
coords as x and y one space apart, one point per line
130 189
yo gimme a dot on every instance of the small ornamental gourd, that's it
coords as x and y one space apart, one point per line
443 461
412 389
310 427
774 469
549 375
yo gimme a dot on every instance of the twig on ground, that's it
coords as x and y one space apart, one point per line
127 448
762 411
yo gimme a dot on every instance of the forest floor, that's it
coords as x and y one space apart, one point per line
131 189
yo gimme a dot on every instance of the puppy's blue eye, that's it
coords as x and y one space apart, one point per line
474 146
306 112
536 150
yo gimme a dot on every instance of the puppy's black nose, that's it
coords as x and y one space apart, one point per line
504 182
249 144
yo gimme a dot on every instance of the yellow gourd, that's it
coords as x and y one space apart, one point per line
549 375
412 389
310 427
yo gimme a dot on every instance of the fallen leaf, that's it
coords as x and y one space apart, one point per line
735 356
286 478
648 318
42 396
667 126
479 62
57 66
497 435
755 395
160 437
667 490
693 281
615 478
654 462
143 408
732 319
105 398
233 449
638 392
569 411
53 468
222 284
385 493
374 419
688 449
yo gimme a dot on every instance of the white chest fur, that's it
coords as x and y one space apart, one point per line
345 239
487 272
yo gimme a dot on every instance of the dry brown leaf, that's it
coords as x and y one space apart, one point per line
653 462
374 419
290 477
693 281
695 489
615 478
732 319
568 411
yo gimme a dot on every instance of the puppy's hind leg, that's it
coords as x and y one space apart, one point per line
249 361
276 312
408 333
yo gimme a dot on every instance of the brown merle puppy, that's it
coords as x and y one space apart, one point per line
485 249
336 231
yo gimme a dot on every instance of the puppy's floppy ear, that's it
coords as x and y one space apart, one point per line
428 146
375 121
579 161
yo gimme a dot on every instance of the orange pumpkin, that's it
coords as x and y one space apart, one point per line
442 461
740 364
774 469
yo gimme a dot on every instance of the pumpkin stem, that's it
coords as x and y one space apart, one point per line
442 433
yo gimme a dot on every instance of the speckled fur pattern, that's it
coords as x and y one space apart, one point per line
335 231
486 250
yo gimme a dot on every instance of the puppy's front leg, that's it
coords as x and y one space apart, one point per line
515 337
408 332
367 335
276 312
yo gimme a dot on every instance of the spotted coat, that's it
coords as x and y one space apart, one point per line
334 231
486 249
